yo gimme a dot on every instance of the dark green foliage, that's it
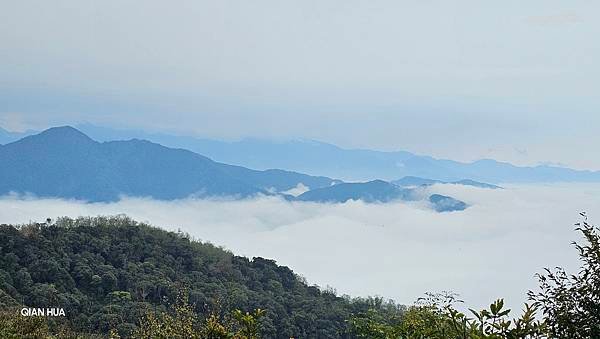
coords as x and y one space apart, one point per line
571 303
570 307
108 272
13 326
435 317
116 277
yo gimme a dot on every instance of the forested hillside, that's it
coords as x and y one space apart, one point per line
107 272
116 278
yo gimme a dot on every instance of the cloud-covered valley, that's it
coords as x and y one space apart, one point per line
395 250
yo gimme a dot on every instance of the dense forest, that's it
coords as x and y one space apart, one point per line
108 272
118 278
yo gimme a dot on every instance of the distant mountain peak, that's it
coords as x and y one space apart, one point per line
442 203
64 133
63 162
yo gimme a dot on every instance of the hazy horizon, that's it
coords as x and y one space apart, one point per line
134 131
464 81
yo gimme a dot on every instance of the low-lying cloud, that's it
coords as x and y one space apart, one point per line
397 250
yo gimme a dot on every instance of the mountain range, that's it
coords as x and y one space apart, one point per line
63 162
319 158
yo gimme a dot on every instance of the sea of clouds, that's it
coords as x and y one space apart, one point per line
397 250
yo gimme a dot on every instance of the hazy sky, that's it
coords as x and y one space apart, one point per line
511 80
397 250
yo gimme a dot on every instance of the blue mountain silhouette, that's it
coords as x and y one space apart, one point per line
63 162
411 181
319 158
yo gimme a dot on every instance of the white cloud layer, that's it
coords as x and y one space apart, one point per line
491 250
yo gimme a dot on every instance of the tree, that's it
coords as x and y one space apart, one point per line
248 323
571 303
435 317
183 323
214 329
14 326
107 272
178 324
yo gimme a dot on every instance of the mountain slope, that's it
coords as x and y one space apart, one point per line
8 137
378 191
469 182
442 203
411 181
106 272
63 162
372 191
314 157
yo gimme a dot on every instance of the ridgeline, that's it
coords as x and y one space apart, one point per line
107 272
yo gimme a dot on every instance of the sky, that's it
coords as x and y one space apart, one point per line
491 250
514 81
